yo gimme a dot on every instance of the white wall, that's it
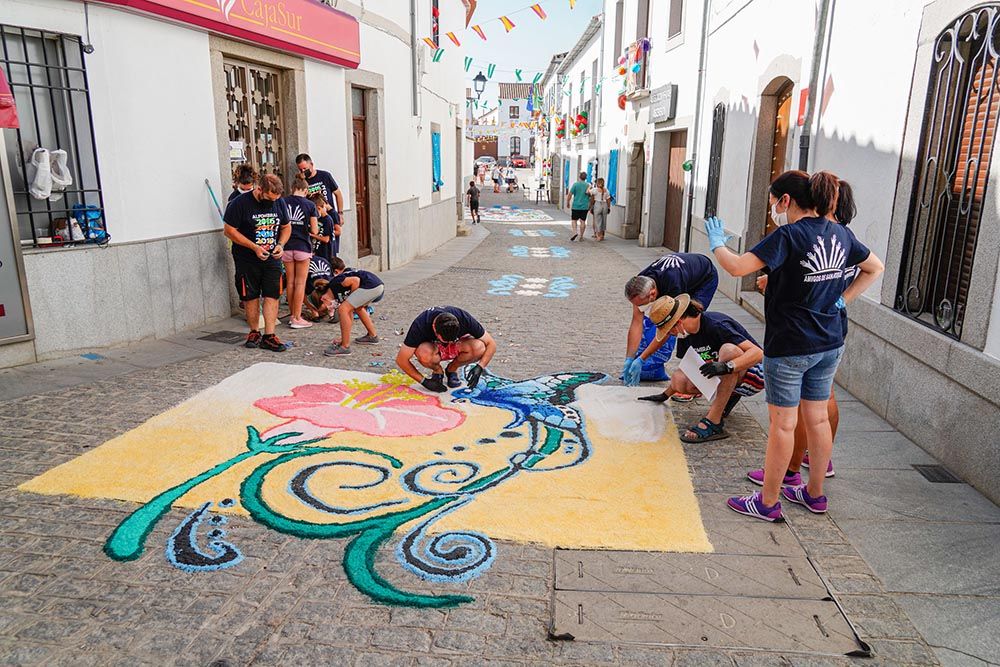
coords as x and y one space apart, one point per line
154 117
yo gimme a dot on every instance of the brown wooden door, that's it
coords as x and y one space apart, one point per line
675 190
781 120
361 187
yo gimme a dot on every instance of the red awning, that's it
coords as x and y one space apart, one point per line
8 111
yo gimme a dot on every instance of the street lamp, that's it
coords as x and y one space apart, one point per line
480 84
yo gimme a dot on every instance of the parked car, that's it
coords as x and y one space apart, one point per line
488 160
519 162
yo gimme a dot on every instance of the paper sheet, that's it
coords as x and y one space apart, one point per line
690 364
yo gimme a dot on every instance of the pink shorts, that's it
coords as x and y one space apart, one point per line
296 256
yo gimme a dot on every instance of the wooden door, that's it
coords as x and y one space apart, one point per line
782 118
361 186
675 190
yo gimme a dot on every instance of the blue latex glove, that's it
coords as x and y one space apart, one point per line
633 372
628 361
717 236
840 304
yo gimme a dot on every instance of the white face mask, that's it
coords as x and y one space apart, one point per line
779 218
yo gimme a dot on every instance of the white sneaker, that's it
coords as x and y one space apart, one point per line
299 324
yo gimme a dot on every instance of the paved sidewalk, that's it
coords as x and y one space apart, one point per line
65 602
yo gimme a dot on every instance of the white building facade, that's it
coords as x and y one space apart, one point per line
515 136
147 136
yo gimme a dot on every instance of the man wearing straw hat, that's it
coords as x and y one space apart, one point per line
728 351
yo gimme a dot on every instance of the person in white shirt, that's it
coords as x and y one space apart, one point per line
601 204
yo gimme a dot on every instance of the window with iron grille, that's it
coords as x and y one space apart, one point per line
515 145
253 98
48 78
514 111
956 144
715 160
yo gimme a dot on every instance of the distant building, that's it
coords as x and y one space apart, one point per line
515 135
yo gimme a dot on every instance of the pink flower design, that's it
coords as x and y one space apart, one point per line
389 409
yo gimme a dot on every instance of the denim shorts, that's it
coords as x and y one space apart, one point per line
806 377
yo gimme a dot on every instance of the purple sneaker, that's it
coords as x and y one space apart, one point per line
753 505
798 494
829 466
757 477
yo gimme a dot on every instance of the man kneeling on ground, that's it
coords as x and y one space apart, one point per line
446 333
355 289
730 353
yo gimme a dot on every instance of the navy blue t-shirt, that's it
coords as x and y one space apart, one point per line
681 273
235 193
319 269
422 330
323 183
367 279
258 221
716 330
807 263
319 248
300 211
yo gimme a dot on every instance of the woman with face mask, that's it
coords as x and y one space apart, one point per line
807 257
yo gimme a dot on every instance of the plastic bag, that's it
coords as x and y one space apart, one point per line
653 368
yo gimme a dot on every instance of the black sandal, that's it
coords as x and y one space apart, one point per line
710 431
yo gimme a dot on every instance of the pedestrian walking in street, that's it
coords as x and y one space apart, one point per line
844 213
803 337
244 177
578 201
354 290
671 275
728 351
495 174
446 334
601 205
472 199
322 182
257 225
510 176
303 218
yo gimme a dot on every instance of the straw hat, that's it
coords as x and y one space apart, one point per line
665 313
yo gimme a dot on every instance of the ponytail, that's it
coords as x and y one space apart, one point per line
824 186
846 208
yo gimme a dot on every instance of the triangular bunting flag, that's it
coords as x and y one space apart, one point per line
538 10
508 25
430 42
572 4
454 40
437 55
489 71
468 63
538 77
479 31
470 9
517 73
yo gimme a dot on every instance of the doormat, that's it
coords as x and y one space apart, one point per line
321 453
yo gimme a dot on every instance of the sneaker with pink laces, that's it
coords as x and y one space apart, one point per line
757 477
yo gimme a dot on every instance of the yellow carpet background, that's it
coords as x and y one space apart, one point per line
633 493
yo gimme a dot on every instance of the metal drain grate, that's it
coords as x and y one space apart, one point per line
227 337
468 269
937 474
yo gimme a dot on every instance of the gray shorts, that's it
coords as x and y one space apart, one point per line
360 298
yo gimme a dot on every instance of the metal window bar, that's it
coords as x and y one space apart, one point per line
59 90
715 160
956 146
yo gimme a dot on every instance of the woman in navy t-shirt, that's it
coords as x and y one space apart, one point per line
298 251
803 337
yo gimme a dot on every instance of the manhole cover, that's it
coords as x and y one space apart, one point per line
937 474
738 600
228 337
468 269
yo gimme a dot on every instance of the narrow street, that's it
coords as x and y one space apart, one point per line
289 602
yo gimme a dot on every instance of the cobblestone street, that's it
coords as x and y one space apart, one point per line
65 603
